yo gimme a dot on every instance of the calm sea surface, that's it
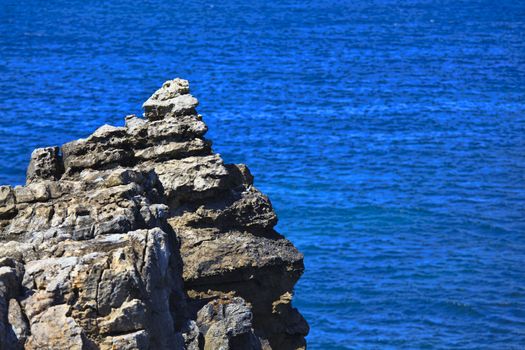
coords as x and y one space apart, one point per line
390 136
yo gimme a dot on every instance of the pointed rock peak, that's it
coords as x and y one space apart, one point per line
172 99
171 89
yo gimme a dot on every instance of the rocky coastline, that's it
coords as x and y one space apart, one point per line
140 237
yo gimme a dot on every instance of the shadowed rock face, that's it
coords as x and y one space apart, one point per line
139 237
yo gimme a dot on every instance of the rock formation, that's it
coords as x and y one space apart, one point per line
139 237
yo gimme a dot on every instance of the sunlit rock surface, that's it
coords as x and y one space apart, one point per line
140 237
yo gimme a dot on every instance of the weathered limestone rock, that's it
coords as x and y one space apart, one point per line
140 237
227 324
172 98
7 202
45 164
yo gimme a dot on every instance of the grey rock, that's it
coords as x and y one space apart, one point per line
192 336
171 99
7 202
18 323
45 164
227 324
140 237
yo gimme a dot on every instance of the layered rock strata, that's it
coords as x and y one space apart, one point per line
140 237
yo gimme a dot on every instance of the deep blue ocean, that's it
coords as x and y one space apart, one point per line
390 136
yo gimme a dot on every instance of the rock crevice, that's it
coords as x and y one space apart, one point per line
140 237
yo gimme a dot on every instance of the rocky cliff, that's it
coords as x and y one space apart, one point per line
140 237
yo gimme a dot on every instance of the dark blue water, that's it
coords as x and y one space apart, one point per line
390 136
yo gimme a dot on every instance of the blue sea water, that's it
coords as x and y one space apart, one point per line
390 136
